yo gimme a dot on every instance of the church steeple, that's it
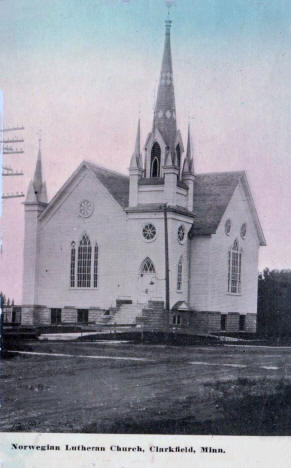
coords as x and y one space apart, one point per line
165 108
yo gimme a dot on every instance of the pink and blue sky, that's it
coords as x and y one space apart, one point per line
80 70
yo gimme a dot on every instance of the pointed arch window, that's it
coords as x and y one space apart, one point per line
180 274
178 154
95 272
73 264
147 266
84 263
155 160
234 268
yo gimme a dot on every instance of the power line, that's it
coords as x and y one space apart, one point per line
8 148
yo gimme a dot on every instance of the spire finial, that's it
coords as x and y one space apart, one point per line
169 4
39 140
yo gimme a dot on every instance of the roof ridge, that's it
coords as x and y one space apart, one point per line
220 173
99 166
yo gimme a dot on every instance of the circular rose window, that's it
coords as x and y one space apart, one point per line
181 233
227 227
86 208
243 231
149 232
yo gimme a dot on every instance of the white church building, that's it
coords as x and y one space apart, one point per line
164 244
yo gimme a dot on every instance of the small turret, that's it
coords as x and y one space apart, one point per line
36 192
188 172
136 160
135 170
35 203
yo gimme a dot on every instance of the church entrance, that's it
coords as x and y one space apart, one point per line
147 281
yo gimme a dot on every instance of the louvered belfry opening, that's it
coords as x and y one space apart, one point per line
155 160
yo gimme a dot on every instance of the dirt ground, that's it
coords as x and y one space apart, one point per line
126 388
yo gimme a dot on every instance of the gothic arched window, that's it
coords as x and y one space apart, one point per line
95 272
180 274
155 160
147 266
73 264
84 263
234 269
178 153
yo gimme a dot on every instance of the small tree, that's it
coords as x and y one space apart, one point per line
274 290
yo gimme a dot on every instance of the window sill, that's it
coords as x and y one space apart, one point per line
84 289
233 294
179 291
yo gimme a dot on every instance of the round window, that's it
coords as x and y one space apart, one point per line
243 231
181 233
86 208
227 227
149 232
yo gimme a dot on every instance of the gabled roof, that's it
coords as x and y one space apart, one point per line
181 306
212 194
117 184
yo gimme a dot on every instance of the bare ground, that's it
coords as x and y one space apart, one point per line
125 388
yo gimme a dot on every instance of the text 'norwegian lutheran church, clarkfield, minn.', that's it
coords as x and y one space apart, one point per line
164 245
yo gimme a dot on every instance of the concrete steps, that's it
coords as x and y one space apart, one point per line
153 317
126 314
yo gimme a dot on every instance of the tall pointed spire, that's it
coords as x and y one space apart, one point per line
135 162
165 109
37 178
37 188
188 166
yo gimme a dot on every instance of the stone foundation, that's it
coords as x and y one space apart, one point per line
153 317
69 315
27 315
43 316
214 321
232 322
34 315
95 314
251 323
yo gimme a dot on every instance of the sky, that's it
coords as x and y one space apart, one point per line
83 70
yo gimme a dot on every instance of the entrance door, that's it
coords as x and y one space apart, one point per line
147 281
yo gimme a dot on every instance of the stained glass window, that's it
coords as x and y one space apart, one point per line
95 266
155 160
84 263
149 232
179 274
147 266
178 153
234 269
73 264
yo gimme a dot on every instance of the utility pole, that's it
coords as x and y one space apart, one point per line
167 272
9 144
10 138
